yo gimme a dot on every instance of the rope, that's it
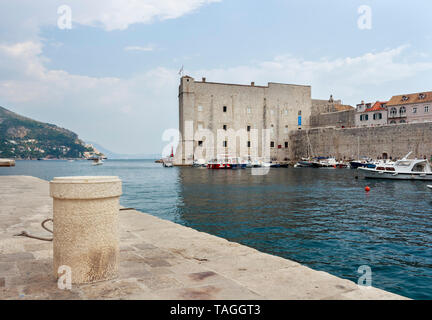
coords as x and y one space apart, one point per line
25 234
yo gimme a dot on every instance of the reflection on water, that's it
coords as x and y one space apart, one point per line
321 218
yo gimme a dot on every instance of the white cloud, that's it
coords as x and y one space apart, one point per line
119 112
120 14
348 76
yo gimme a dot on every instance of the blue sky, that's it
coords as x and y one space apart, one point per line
113 78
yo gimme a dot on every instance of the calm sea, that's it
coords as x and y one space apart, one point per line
319 217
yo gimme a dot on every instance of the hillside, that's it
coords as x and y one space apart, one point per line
24 138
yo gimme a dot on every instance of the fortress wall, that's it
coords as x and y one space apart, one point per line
395 140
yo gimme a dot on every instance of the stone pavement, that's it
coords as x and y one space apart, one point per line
158 260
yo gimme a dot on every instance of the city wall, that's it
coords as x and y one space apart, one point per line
391 140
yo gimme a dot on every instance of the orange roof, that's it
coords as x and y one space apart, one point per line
378 106
342 107
419 97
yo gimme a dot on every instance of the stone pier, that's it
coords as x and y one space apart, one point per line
158 260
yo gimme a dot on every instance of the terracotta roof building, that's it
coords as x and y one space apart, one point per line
410 108
369 115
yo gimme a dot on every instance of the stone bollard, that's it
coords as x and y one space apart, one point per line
86 231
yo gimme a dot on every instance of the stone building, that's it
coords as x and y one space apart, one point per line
218 119
331 113
368 115
410 108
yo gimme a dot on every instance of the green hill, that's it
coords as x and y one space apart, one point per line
24 138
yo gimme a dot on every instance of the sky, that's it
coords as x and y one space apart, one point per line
110 72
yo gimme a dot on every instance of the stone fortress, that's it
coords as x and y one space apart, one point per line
221 119
219 107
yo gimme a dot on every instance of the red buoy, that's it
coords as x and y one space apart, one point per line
367 189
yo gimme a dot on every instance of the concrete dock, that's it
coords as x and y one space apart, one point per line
158 260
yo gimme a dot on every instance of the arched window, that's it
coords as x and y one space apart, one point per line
402 121
393 112
392 122
402 110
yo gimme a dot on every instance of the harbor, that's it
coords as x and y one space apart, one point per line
322 219
187 265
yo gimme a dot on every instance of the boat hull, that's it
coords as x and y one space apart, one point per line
376 174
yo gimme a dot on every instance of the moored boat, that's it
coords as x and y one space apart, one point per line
97 162
404 169
7 163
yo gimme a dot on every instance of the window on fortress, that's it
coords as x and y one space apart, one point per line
200 108
392 122
200 143
224 126
248 128
414 110
225 144
393 111
224 109
272 144
248 144
402 121
248 110
402 110
286 144
426 108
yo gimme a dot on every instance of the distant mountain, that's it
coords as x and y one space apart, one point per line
112 155
25 138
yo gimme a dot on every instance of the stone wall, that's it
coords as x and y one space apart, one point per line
393 140
337 119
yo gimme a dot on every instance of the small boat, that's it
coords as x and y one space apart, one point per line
200 163
237 163
97 162
167 164
169 161
430 186
223 161
7 163
404 169
304 163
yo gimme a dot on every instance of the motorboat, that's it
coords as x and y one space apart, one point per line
404 169
430 186
237 163
7 163
218 164
304 163
199 163
167 163
97 162
363 162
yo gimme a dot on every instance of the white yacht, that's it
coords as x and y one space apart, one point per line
430 187
404 169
